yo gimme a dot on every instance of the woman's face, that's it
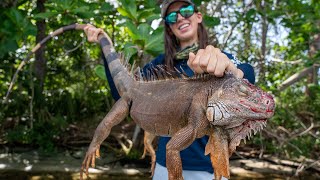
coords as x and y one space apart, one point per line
185 29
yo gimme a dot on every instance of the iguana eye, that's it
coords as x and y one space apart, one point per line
243 91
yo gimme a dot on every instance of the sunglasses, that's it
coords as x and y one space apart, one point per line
184 11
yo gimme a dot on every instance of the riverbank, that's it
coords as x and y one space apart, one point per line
30 164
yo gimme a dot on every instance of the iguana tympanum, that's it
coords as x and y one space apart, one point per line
226 109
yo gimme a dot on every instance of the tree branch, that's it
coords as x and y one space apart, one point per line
298 76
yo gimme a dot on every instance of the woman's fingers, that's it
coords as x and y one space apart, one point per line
212 61
92 33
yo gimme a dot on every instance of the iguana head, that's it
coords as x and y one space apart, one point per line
240 108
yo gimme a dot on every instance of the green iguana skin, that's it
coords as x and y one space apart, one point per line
226 109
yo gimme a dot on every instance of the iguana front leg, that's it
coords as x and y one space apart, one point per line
147 141
118 112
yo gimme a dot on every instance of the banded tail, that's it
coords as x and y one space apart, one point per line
116 68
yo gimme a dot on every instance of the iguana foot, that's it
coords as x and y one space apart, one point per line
89 160
217 177
147 141
153 160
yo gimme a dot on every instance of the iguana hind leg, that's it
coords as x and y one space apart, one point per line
179 141
118 112
147 141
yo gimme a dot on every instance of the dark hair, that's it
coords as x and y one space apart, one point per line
171 43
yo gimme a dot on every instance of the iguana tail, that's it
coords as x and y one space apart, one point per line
120 75
108 50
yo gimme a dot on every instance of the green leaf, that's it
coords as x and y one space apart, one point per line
211 21
106 7
133 31
155 43
128 9
83 12
30 29
15 28
68 19
251 13
80 9
130 6
85 15
15 16
65 5
145 14
151 4
152 17
9 46
124 12
144 31
100 71
130 50
45 15
198 2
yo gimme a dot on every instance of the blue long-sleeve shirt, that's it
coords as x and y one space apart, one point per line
192 157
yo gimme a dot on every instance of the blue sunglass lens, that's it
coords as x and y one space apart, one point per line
172 18
185 11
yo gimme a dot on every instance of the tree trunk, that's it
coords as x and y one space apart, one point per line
39 65
40 61
313 49
264 26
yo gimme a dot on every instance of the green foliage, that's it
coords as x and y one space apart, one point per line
211 21
100 71
138 26
15 28
199 2
44 134
296 110
67 11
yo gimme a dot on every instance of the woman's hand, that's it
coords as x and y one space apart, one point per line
212 61
93 33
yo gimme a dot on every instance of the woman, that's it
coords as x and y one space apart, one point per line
186 49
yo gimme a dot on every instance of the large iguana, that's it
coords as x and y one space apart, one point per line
226 109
